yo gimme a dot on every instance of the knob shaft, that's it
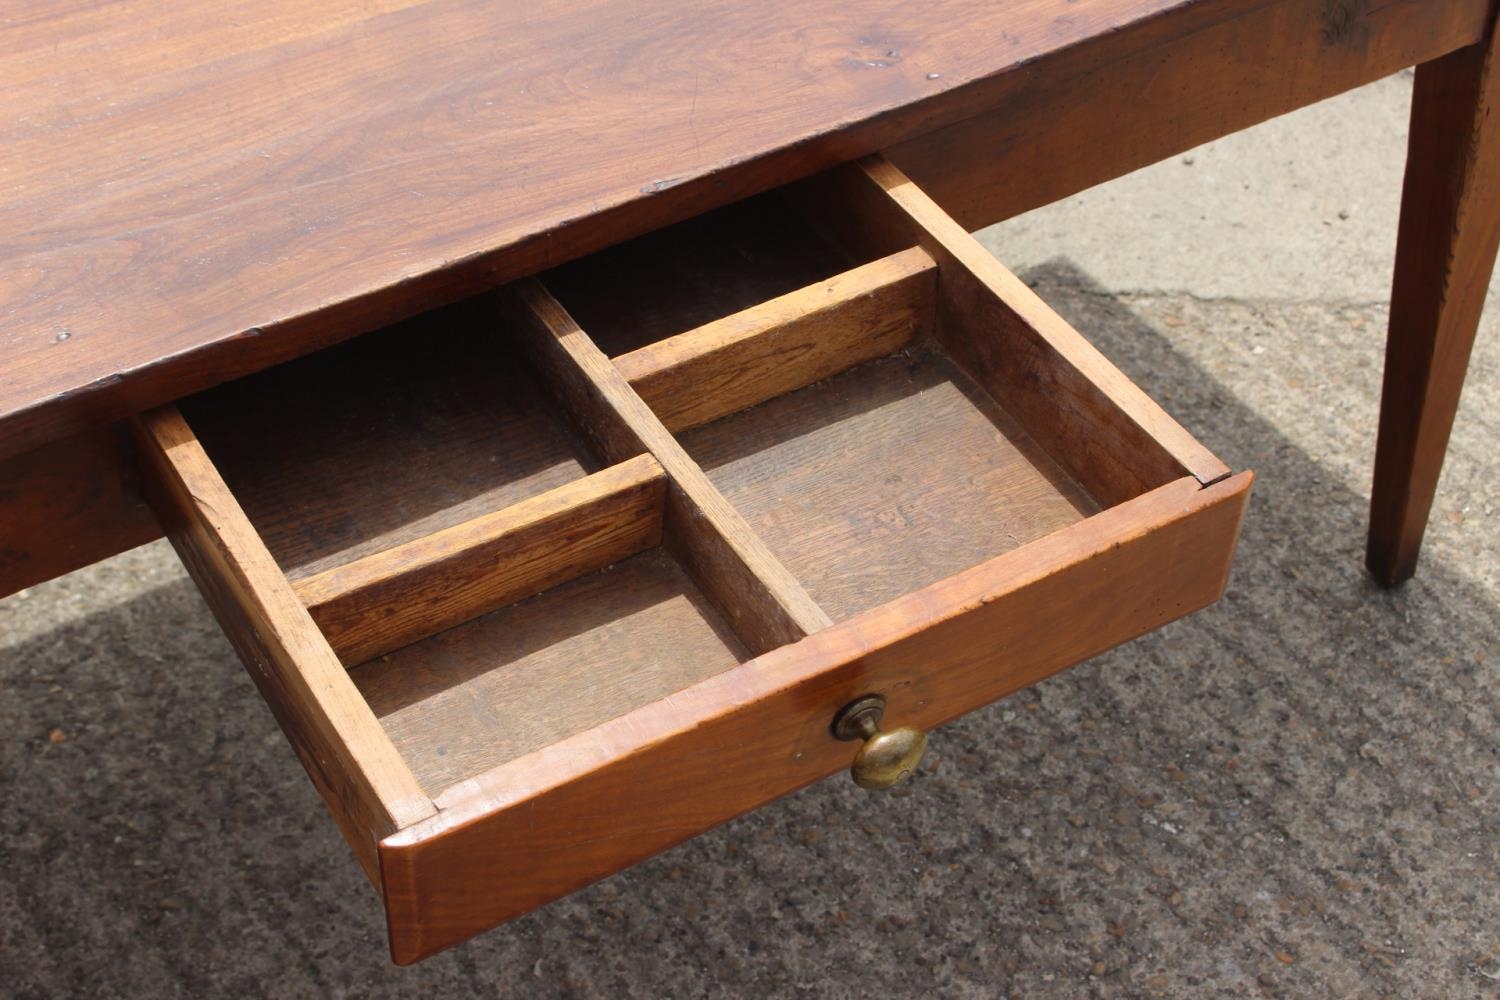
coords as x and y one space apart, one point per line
888 757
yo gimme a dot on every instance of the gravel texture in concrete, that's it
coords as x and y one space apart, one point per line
1292 793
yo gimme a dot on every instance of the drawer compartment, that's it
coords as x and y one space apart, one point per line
523 677
541 584
384 440
885 478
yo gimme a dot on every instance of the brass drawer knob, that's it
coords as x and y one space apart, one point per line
888 757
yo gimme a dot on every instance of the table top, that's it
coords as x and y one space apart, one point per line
192 191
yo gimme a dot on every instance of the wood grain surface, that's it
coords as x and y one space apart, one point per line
584 807
385 440
767 606
191 193
695 272
1105 431
363 780
161 287
1445 253
786 343
1055 130
70 503
886 478
386 600
535 673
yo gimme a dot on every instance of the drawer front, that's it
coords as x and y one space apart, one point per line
548 582
589 806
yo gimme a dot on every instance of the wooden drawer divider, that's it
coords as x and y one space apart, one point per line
748 584
785 343
391 598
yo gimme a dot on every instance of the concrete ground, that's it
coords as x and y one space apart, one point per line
1291 794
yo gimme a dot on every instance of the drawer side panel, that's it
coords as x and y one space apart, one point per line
365 784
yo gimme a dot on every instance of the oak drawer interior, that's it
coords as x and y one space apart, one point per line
701 270
493 585
885 478
498 564
386 439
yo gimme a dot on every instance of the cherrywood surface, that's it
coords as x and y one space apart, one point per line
364 782
1057 129
388 599
386 439
886 478
198 191
69 503
165 280
588 805
1445 253
532 674
195 192
786 343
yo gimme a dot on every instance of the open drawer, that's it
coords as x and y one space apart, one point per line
543 583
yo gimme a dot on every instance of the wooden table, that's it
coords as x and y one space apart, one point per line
195 191
700 522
